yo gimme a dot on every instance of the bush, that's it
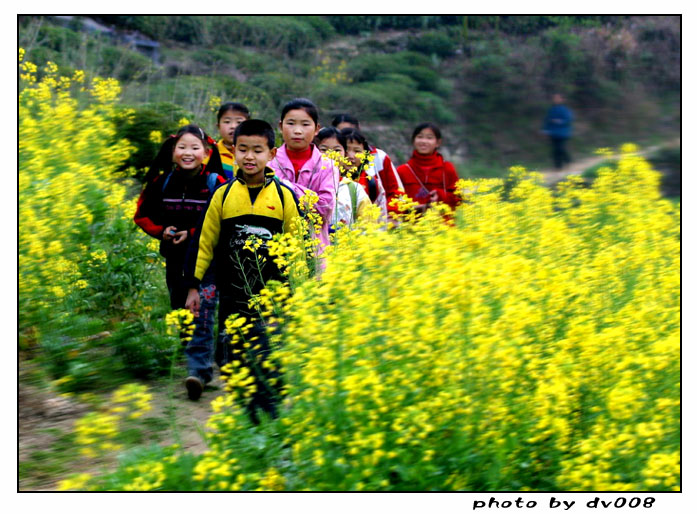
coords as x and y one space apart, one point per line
279 34
125 65
81 258
432 43
281 87
417 67
58 38
391 98
137 127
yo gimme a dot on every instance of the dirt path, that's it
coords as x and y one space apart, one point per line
553 176
46 422
190 416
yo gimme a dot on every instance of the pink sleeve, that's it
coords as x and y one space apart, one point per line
325 185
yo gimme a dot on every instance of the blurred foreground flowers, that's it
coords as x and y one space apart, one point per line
531 344
84 268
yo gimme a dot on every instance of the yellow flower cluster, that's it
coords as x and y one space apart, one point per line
156 137
96 432
65 155
537 326
105 91
214 103
346 166
77 482
329 72
180 322
149 476
132 399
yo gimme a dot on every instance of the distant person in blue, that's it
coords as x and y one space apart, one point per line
558 127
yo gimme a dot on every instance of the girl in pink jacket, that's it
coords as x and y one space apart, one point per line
300 164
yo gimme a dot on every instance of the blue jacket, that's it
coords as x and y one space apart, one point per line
558 121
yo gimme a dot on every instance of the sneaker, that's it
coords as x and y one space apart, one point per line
194 387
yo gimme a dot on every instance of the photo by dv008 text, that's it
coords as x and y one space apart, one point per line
564 505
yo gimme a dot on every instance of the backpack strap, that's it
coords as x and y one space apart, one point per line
166 181
227 190
280 192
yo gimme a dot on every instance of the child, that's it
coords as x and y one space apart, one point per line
300 164
357 145
351 199
177 188
386 176
427 178
252 203
230 115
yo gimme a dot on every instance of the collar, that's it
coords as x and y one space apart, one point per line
222 149
284 161
269 175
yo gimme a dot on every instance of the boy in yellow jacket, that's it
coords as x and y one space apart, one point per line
254 203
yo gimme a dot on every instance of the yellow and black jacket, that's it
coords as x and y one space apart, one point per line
227 160
235 212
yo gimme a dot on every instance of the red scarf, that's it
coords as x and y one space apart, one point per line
298 159
426 163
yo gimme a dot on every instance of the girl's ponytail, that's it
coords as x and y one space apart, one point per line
162 161
215 164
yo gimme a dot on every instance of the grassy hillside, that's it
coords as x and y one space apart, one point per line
486 79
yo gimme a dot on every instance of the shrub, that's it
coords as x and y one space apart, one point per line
279 34
432 43
80 255
370 67
138 126
58 38
126 65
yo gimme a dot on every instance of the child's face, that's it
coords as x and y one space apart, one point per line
331 143
354 151
228 123
298 130
189 152
252 153
346 124
426 142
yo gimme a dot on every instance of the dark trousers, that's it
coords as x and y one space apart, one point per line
267 380
559 153
199 350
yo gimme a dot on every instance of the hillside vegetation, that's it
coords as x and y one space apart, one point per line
486 79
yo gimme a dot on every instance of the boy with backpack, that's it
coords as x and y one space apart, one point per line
253 203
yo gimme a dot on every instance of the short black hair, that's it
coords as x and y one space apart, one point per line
328 133
345 118
304 104
233 106
426 125
255 128
352 134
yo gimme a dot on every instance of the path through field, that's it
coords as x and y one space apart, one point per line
577 167
46 421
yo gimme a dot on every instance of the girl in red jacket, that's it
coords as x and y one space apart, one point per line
427 177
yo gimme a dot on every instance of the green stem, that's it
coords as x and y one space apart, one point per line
170 397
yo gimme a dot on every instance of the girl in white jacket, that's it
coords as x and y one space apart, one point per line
351 198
